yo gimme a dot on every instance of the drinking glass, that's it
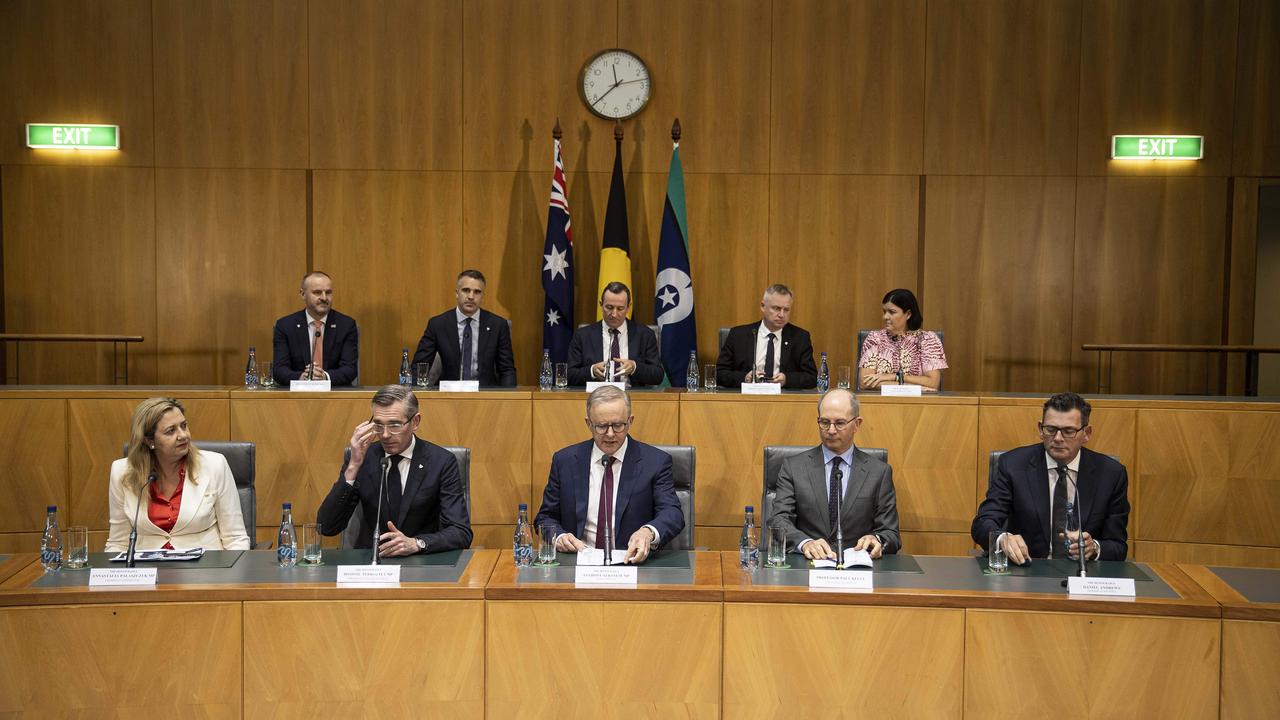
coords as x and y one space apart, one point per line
843 378
709 377
777 551
265 378
562 376
547 548
996 559
77 546
420 372
311 552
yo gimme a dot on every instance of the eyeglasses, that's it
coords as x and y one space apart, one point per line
826 424
603 428
391 428
1048 431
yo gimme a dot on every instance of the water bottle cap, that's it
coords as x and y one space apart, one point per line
524 506
51 508
250 348
288 506
751 508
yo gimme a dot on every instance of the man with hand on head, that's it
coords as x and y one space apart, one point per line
837 485
772 350
317 342
1035 486
423 508
632 346
612 481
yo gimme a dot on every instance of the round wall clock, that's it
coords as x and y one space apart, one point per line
615 84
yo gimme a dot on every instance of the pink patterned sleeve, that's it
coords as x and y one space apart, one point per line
873 351
932 356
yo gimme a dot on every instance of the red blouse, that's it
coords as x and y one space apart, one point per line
164 513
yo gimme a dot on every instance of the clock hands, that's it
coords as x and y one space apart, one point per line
617 83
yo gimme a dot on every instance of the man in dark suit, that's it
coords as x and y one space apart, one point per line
472 344
423 509
806 502
588 491
771 350
632 346
316 342
1034 487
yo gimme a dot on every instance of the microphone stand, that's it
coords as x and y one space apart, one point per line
1079 528
133 534
312 366
839 474
382 488
608 531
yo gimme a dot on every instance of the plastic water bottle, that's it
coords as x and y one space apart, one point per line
545 377
522 544
406 377
749 545
251 371
824 375
51 541
287 539
691 375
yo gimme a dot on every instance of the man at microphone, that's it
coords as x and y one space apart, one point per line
317 342
422 508
836 480
1033 486
611 481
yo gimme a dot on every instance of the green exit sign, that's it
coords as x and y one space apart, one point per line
75 137
1157 147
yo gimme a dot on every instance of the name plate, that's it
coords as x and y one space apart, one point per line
900 390
369 574
605 575
840 580
115 577
1115 587
761 388
309 386
595 384
459 386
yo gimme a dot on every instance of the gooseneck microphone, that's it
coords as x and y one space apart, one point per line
837 474
311 368
382 488
1079 526
133 534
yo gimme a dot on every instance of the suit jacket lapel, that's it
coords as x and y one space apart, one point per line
857 476
784 350
623 485
417 472
818 484
633 337
192 499
330 340
582 487
1084 482
1037 476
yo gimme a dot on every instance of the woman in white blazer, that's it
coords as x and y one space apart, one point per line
183 498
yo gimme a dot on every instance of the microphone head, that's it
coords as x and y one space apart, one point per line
151 478
386 461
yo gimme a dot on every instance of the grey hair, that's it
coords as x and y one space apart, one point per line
853 400
389 395
604 394
777 289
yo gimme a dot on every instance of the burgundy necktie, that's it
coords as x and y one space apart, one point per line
606 502
317 348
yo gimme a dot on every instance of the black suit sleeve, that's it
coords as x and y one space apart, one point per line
348 358
504 362
649 369
335 511
281 369
804 374
549 512
1113 538
886 514
454 529
993 513
727 373
579 365
426 351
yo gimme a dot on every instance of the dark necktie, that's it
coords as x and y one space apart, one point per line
466 349
1059 510
606 503
393 493
833 494
768 360
614 352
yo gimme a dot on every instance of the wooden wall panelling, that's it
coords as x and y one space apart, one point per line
840 243
99 259
232 256
765 644
998 267
711 68
96 431
1148 259
378 674
1204 554
848 87
937 543
36 477
1210 477
560 421
1002 87
1250 664
610 640
1171 665
98 671
500 459
521 62
385 85
1257 99
1157 66
83 62
1242 275
231 83
393 244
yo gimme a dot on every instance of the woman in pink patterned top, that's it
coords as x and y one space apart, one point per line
901 353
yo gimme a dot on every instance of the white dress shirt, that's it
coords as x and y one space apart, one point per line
762 347
475 340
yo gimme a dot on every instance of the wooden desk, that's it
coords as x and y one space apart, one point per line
652 651
946 643
1250 637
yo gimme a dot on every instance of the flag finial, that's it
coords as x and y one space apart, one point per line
675 131
556 132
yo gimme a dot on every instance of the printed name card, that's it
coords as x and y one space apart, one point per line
368 574
1114 587
605 575
459 386
309 386
761 388
595 384
115 577
840 580
900 390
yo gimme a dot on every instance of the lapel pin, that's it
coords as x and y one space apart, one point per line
419 466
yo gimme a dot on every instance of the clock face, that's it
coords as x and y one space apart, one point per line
615 84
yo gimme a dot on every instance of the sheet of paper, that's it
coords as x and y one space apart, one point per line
595 556
856 558
161 555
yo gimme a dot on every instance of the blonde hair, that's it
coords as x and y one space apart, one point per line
139 456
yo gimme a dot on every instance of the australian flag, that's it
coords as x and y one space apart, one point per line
673 304
557 270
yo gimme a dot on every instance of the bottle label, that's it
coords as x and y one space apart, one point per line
286 553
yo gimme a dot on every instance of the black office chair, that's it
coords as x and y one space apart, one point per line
857 355
724 337
773 457
683 469
242 458
355 525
